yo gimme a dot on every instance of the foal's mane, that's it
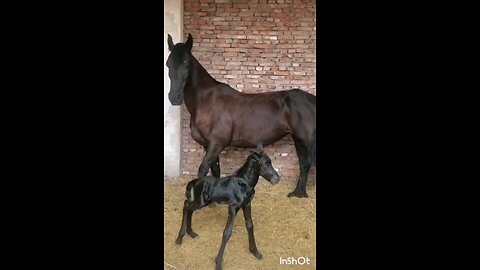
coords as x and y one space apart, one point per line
245 169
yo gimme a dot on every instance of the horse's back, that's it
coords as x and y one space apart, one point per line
242 120
299 97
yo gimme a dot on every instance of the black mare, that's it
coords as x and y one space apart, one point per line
237 191
222 116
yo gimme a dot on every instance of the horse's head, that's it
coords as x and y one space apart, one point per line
178 64
266 168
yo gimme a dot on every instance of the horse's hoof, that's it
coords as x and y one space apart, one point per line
298 194
212 205
178 241
192 234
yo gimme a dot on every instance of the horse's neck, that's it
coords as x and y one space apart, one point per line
198 87
250 172
199 75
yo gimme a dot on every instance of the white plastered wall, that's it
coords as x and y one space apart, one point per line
173 25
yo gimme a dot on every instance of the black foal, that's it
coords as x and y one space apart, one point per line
237 191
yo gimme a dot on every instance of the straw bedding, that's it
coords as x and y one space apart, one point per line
284 227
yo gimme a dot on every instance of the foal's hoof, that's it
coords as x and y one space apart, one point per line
192 234
299 194
178 241
257 255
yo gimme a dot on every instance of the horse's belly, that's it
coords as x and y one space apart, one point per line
250 139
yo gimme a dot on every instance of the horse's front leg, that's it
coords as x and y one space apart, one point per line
232 212
215 167
211 160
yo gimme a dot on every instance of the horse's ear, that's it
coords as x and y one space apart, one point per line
259 147
189 42
170 42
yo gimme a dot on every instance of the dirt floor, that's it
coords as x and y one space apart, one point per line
284 228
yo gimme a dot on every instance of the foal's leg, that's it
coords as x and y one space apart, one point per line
189 224
302 152
226 236
252 246
183 228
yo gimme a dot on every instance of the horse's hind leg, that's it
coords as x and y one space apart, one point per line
303 160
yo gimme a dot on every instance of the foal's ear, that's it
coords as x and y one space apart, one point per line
189 42
259 148
170 42
255 156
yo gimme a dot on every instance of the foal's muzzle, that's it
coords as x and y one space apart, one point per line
275 179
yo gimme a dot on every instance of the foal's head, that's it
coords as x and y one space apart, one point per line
178 64
266 169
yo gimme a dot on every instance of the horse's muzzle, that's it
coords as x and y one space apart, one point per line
175 98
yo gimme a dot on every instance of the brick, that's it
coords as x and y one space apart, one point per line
248 19
220 23
284 73
227 54
263 46
255 46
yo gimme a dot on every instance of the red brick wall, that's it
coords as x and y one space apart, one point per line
254 46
